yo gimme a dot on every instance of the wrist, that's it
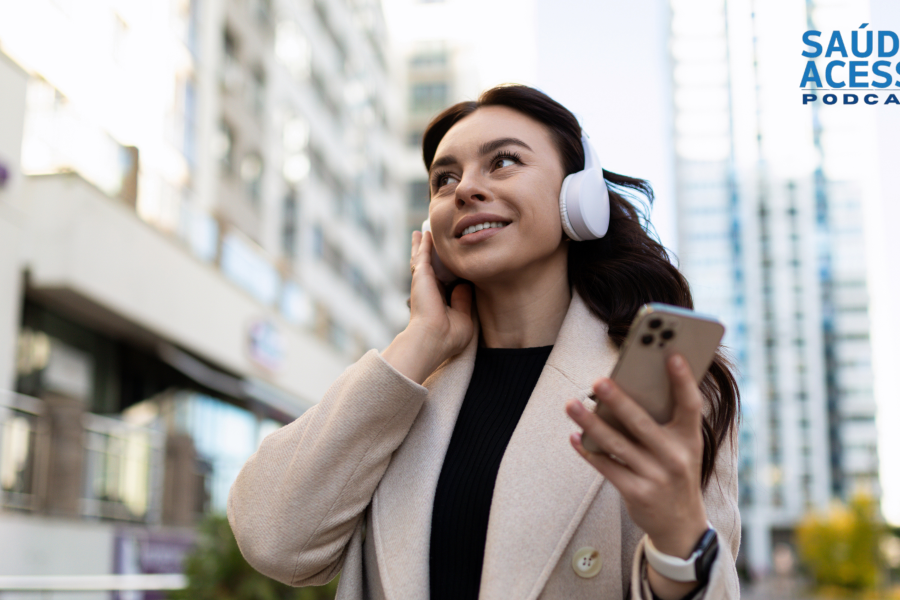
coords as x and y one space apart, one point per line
679 542
673 573
414 355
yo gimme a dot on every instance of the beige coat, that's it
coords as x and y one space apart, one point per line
349 487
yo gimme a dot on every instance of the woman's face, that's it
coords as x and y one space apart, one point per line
497 169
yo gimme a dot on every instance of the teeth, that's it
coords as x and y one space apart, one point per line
480 226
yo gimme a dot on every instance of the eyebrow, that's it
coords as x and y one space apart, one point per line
486 148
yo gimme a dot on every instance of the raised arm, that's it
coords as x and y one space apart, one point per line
298 499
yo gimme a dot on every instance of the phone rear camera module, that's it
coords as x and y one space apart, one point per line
667 334
655 323
647 339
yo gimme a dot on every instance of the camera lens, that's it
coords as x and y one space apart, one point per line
655 323
647 339
667 334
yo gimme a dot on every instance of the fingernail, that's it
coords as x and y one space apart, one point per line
678 362
603 388
575 407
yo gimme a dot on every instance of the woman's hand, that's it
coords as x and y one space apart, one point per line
435 331
657 471
451 327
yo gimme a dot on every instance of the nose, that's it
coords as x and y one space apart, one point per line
472 188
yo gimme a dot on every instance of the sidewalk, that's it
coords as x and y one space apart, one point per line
788 588
776 588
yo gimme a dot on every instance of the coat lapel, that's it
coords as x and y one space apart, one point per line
543 487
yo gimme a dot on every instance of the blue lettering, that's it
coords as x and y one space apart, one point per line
895 43
871 99
836 45
877 72
854 73
829 79
811 74
855 43
816 46
892 99
829 99
851 99
807 98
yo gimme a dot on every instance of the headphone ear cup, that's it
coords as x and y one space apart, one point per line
584 205
564 208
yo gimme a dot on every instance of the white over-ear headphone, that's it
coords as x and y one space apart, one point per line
584 199
583 206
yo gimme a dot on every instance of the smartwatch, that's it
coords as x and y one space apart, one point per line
695 568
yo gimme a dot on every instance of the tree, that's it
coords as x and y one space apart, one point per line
216 570
840 548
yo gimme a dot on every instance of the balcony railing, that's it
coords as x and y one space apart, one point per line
123 470
23 451
122 467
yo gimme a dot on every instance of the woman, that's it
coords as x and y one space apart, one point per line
440 467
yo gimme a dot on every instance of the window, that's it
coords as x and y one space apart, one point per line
429 58
289 224
223 145
231 46
318 241
185 22
429 97
188 102
263 11
414 137
419 196
258 91
251 175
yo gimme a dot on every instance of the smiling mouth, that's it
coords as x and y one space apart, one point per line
480 226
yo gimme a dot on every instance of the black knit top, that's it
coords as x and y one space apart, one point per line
501 384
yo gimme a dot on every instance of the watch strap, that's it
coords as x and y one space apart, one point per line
695 568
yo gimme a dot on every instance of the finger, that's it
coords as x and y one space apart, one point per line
625 480
686 414
422 254
609 440
414 248
630 414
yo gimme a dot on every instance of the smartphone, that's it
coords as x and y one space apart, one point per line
658 331
443 274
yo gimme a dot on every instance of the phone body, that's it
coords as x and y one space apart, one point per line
658 331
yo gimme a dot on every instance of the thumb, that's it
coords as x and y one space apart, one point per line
461 299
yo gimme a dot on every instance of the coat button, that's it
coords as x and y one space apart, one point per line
586 562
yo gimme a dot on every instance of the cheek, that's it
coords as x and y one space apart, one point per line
546 225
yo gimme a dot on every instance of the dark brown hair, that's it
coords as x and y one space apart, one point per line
622 271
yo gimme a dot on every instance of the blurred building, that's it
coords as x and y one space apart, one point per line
442 57
770 199
199 229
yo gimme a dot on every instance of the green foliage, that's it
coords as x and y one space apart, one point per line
216 570
840 548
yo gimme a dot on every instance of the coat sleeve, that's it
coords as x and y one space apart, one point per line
298 499
721 500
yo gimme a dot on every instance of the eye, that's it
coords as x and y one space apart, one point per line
442 179
506 159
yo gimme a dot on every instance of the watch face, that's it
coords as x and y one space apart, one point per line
708 548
